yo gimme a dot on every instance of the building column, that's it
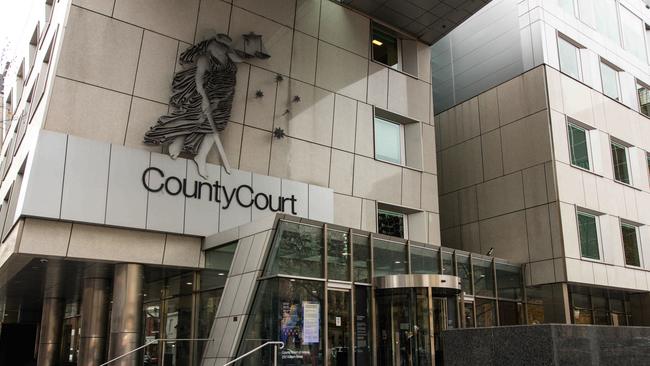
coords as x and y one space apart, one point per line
52 317
126 314
94 311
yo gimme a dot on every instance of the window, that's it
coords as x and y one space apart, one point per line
398 139
391 223
389 137
385 47
568 6
393 51
644 99
606 19
619 159
588 235
631 245
633 29
569 58
609 77
579 146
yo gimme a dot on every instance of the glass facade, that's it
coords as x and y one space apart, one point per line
330 314
632 29
598 306
644 100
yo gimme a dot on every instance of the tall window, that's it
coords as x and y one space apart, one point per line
569 58
385 47
606 19
588 232
579 146
644 99
389 141
633 29
631 245
609 77
619 159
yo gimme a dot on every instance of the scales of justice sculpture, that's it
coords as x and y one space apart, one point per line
202 97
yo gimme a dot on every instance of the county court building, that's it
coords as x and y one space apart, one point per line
217 175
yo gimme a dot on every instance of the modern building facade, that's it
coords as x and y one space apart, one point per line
317 224
542 129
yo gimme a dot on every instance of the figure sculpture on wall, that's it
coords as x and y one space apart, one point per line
202 97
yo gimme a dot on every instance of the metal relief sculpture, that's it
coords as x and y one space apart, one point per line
202 97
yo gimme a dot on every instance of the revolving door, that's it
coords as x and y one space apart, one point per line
412 311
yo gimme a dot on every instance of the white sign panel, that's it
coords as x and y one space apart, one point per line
102 183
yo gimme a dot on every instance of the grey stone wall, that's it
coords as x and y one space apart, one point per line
549 344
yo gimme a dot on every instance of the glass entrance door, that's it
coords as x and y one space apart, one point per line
409 323
338 328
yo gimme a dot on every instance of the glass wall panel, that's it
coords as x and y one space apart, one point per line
483 277
384 47
510 313
178 324
424 260
220 258
452 313
290 310
338 328
486 313
362 260
208 304
362 326
338 255
600 306
447 262
297 250
509 281
465 273
389 258
469 314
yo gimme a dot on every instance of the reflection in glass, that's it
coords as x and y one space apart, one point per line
483 277
510 313
619 160
338 255
468 312
338 328
465 273
509 281
362 327
290 310
486 314
424 260
384 47
569 59
219 258
447 262
178 324
362 261
578 146
297 250
389 258
152 332
390 223
208 305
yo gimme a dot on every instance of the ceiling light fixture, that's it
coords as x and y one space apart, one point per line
377 42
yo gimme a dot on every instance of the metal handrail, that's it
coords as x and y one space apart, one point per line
154 342
275 352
